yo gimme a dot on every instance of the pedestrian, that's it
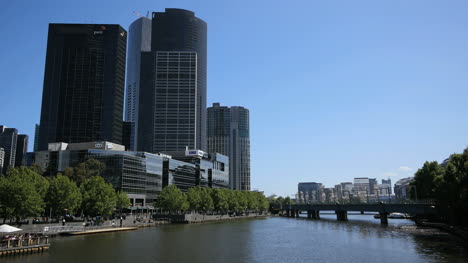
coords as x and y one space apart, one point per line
63 221
120 221
113 223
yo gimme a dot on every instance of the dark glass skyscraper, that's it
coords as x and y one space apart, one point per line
21 149
229 134
8 140
139 40
84 78
172 104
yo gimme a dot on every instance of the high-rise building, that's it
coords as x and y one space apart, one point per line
21 149
8 140
84 78
139 40
36 138
172 96
229 134
2 159
373 186
387 184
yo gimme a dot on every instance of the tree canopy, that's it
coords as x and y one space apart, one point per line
63 196
99 197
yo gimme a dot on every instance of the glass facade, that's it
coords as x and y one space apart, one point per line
229 134
138 174
181 174
84 76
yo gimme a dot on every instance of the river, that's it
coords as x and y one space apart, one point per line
275 239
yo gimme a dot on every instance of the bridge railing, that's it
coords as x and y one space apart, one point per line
393 201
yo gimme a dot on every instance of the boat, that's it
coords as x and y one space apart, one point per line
394 216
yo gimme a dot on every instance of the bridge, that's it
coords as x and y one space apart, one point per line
341 210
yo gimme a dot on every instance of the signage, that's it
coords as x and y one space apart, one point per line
98 145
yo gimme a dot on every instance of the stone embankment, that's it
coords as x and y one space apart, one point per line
200 218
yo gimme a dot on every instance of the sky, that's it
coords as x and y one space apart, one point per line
335 89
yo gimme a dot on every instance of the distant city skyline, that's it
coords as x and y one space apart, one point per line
335 90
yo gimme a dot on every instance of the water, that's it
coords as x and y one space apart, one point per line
362 239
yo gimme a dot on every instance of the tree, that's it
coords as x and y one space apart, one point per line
424 180
220 200
172 199
252 200
22 193
98 197
194 198
85 170
63 195
122 200
242 200
206 200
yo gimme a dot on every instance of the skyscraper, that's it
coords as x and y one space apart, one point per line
84 78
139 39
36 138
172 99
21 149
8 140
229 134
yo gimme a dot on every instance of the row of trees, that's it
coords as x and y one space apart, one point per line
25 193
448 185
203 199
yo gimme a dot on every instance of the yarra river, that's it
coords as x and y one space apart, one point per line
274 239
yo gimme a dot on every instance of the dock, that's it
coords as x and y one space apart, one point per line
100 230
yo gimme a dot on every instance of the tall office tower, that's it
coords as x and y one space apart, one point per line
139 39
2 159
8 139
229 134
172 101
373 186
83 94
36 138
21 149
388 184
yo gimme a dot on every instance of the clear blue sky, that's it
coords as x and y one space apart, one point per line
336 89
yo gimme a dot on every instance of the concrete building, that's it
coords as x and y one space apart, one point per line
387 184
229 134
361 188
310 191
83 93
8 141
402 188
139 40
172 98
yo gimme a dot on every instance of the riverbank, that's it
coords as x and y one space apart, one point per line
201 218
459 232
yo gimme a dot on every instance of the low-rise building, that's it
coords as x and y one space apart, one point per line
402 188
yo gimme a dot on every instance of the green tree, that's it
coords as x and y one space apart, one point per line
98 197
252 200
122 200
220 200
22 193
206 200
194 198
63 195
242 201
424 180
233 200
172 199
85 170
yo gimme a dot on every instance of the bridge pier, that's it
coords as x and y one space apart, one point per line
297 213
309 213
341 215
384 218
317 214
